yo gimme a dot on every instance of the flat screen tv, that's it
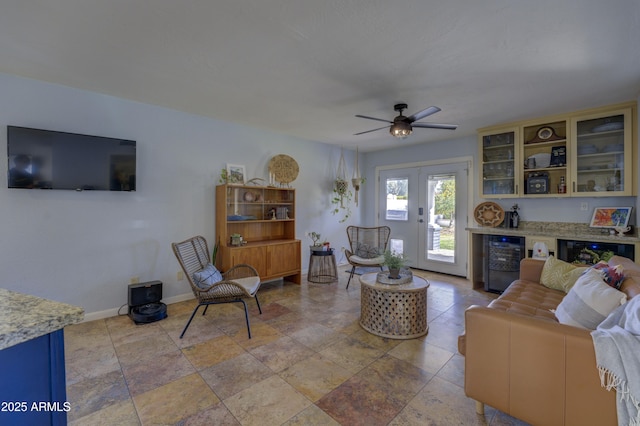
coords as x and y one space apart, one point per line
46 159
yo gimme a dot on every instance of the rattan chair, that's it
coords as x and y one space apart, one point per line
237 283
366 247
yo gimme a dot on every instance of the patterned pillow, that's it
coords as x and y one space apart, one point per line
559 275
589 301
207 276
612 275
366 251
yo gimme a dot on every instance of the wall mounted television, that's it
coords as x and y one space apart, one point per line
46 159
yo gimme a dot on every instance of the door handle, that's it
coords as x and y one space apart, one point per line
420 220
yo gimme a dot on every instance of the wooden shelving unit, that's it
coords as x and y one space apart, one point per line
265 218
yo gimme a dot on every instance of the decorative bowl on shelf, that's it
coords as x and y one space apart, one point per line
608 127
618 147
543 160
587 149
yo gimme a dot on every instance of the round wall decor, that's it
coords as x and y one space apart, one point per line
284 168
489 214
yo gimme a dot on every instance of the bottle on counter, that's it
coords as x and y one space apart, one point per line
515 218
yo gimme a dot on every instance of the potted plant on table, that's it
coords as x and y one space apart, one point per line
317 245
394 261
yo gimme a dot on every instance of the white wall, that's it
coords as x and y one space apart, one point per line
83 247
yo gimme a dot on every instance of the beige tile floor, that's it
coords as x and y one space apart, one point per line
308 363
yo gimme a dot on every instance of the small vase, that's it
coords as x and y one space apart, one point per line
394 274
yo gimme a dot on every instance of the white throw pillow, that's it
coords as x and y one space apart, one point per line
589 301
207 276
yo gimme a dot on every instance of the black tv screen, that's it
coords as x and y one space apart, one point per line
46 159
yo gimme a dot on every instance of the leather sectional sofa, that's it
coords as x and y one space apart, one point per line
520 360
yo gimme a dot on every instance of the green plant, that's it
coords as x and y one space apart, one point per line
445 199
223 176
394 260
214 255
341 199
315 237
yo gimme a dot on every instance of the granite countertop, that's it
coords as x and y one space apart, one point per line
561 230
24 317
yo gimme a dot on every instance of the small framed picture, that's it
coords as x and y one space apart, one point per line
610 217
235 174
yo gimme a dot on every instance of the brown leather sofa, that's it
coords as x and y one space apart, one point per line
520 360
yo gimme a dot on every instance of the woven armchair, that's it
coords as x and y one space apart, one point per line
366 247
239 282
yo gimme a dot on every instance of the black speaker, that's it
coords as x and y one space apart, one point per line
144 302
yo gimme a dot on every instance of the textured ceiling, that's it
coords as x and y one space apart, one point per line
305 67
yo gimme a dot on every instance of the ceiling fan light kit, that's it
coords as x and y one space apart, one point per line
400 129
401 126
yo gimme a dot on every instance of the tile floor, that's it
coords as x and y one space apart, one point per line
308 363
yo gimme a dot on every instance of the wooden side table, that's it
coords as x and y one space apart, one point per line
395 311
322 267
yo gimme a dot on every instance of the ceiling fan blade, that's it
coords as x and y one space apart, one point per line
422 114
435 126
373 118
369 131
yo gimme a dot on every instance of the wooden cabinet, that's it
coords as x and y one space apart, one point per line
583 154
34 371
499 151
544 159
265 219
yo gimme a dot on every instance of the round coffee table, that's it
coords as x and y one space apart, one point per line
395 311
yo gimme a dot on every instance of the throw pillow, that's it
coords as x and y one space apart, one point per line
207 276
366 251
559 275
612 274
589 301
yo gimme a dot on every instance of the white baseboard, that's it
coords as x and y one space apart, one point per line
107 313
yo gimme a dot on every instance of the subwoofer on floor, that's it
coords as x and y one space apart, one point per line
145 304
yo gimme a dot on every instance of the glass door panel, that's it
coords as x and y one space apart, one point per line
601 145
498 172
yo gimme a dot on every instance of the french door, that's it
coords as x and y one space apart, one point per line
426 207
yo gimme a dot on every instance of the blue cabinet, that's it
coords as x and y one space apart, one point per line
33 384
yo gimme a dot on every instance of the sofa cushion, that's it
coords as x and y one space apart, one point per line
529 298
589 301
559 275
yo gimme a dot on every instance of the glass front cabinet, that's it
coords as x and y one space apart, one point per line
583 154
499 151
602 156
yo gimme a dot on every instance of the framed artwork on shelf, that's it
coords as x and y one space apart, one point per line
235 174
610 217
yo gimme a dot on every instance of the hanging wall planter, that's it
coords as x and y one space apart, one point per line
356 180
341 192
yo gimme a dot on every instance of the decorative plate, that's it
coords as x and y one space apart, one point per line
489 214
284 168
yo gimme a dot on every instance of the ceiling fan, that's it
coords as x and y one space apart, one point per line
402 126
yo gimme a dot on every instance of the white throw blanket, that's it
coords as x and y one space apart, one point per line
617 346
